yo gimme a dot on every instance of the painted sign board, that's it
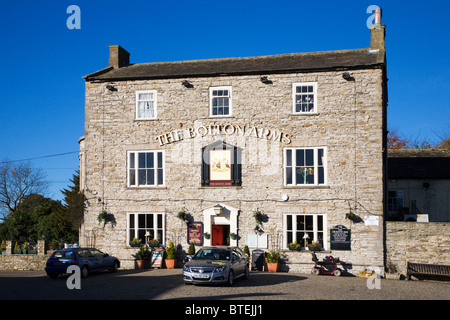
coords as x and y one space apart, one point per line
340 238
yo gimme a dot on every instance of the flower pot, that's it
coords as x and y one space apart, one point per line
272 266
140 264
171 263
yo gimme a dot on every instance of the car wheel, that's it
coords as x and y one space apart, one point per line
230 278
84 271
115 266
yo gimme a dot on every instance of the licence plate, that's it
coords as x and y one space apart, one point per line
202 276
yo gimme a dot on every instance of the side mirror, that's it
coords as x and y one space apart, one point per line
105 255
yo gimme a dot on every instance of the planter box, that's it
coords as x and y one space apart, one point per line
272 266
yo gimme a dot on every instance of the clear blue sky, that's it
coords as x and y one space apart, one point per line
42 61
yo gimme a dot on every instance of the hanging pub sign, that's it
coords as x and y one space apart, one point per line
220 167
340 238
195 233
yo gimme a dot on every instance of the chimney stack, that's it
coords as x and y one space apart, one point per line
118 57
377 31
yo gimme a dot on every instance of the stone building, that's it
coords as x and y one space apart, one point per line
299 138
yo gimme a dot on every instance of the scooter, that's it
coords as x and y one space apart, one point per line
325 267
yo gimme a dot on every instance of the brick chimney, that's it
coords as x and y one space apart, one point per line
377 31
118 57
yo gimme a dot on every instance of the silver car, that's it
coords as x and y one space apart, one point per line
216 265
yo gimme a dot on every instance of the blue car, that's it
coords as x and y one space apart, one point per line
88 259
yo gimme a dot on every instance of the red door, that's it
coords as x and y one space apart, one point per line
217 235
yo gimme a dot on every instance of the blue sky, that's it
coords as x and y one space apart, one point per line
42 61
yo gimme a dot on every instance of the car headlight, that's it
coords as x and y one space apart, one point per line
220 269
186 268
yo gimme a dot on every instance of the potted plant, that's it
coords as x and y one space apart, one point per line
32 249
272 260
102 217
142 256
366 273
258 217
315 246
247 250
3 247
171 259
17 249
191 249
233 236
25 248
350 216
135 243
294 246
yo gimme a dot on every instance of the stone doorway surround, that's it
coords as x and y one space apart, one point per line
229 216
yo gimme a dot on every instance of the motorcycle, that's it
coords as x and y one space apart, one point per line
325 267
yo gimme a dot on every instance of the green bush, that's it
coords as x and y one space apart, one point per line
191 250
171 251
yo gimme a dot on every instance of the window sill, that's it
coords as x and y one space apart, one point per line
219 117
306 187
145 119
146 188
308 114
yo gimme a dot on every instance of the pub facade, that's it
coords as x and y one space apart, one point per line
260 151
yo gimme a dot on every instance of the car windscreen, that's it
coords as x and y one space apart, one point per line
64 255
212 254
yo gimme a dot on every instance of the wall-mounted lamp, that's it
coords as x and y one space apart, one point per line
111 88
265 80
218 209
347 76
187 84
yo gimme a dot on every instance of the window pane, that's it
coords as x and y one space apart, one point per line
309 157
300 223
160 176
309 223
320 157
289 157
289 222
141 160
160 221
132 177
300 175
288 175
141 221
150 160
160 160
321 175
151 176
131 220
149 222
131 160
300 157
289 237
320 223
309 172
142 177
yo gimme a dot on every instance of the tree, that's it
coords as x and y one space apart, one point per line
394 141
18 180
75 202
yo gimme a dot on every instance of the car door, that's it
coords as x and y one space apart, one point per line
99 260
238 262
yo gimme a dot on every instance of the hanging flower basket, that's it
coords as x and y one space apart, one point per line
258 217
206 235
233 236
350 216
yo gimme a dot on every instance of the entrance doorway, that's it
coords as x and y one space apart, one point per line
220 235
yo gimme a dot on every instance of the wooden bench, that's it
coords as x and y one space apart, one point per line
424 269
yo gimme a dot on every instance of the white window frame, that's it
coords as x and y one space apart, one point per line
135 167
294 97
230 104
315 230
154 100
316 166
155 226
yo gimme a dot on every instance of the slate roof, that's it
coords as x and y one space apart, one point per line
284 63
419 164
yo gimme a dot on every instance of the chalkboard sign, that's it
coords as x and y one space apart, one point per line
340 238
195 233
157 258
